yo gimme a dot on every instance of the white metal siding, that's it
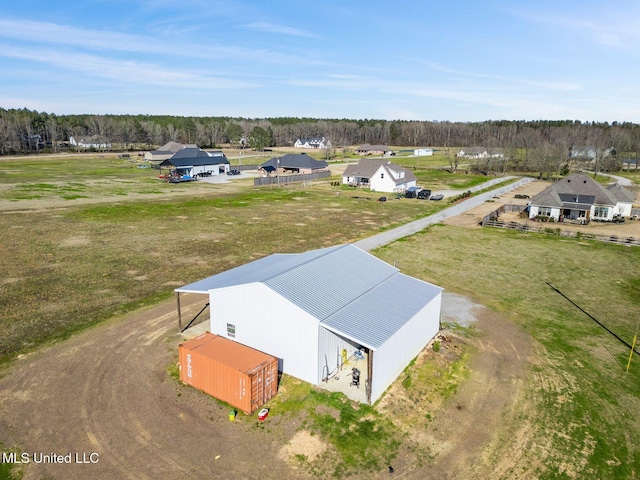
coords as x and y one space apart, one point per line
266 321
396 353
330 348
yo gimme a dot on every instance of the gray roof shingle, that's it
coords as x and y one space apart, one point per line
295 160
580 188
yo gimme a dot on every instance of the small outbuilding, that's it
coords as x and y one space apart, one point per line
316 310
423 152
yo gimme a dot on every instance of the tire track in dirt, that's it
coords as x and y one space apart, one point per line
107 391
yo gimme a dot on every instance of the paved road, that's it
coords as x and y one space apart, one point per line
417 225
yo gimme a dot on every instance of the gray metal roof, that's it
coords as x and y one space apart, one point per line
348 290
256 271
372 318
331 281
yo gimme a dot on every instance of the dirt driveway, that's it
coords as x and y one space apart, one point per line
106 392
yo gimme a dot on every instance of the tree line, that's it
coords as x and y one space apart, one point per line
529 145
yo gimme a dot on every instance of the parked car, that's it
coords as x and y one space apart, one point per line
439 196
233 172
411 192
424 194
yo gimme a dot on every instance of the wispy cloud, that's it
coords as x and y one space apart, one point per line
33 32
606 25
51 33
280 29
560 86
123 71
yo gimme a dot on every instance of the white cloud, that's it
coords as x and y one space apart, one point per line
279 29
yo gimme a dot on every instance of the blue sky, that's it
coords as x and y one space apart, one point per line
394 60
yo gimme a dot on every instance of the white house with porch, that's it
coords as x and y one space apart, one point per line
579 197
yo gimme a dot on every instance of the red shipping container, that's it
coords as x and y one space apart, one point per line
241 376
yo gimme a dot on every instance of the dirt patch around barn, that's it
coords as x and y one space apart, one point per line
303 446
107 391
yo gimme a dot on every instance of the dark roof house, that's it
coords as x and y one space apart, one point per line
296 163
194 162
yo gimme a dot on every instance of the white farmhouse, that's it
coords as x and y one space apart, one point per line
379 176
480 153
316 309
314 142
94 142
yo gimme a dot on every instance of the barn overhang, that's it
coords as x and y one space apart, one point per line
354 338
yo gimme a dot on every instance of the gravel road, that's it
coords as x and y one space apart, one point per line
417 225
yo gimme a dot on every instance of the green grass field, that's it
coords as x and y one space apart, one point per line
83 261
581 404
70 267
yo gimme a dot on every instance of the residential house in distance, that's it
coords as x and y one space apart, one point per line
166 151
293 163
367 149
93 142
379 176
583 152
315 142
580 198
588 154
324 311
480 152
193 162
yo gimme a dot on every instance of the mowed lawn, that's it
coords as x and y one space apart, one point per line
579 415
89 238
